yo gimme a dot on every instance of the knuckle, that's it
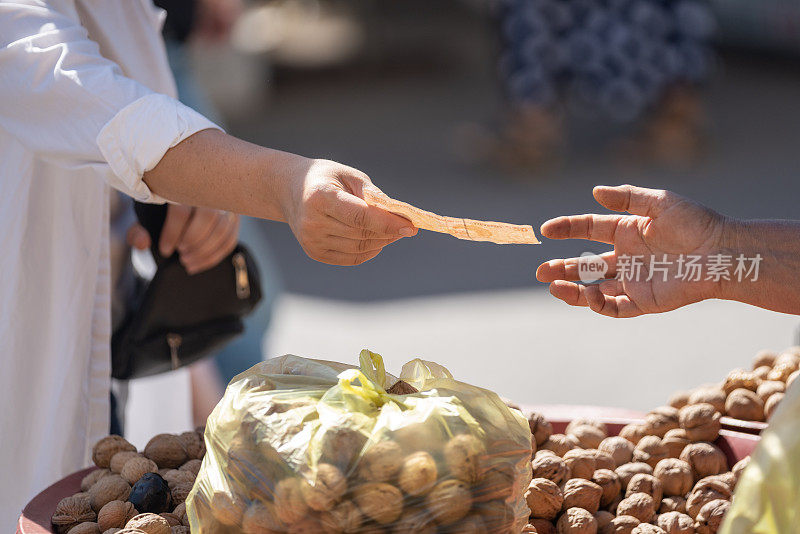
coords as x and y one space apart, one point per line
358 218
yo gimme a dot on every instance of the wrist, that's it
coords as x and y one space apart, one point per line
736 240
282 172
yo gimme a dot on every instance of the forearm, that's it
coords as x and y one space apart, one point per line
777 286
213 169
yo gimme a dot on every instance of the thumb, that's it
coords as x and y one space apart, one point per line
138 237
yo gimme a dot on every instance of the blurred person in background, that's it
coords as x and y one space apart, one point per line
617 60
87 103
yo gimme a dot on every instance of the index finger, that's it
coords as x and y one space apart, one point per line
599 228
355 212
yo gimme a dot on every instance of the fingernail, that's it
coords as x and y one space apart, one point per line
406 231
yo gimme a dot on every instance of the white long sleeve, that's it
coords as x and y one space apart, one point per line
74 108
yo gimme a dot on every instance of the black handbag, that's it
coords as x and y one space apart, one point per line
177 318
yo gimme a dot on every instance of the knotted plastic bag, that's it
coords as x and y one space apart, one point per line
308 446
767 498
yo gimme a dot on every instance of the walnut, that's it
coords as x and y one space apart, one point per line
638 505
548 465
581 421
679 399
762 372
714 396
544 498
764 358
705 459
192 466
107 447
228 509
581 463
576 521
85 528
119 459
172 519
789 358
166 450
149 524
674 441
781 372
582 493
705 491
739 378
768 387
307 525
464 456
559 444
113 530
421 522
644 483
499 482
418 474
180 529
622 524
772 404
737 469
543 526
700 421
107 489
626 472
647 528
341 446
115 514
449 501
588 436
180 492
72 511
541 429
792 377
676 523
383 503
649 450
613 506
381 461
620 449
675 475
672 504
498 516
180 513
610 484
325 489
633 432
603 460
193 444
136 467
709 519
603 519
529 529
175 477
744 404
92 478
261 518
662 419
289 502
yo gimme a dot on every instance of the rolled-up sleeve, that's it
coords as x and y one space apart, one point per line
69 105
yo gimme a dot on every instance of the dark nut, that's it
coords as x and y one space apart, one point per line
676 523
576 521
710 517
609 482
541 429
744 404
674 441
649 450
644 483
705 459
714 396
675 475
544 498
626 472
700 421
638 505
151 494
661 420
620 449
580 493
548 465
581 463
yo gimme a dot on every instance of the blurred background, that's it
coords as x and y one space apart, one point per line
503 110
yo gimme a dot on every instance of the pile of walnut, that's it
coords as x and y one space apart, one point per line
135 492
663 475
749 395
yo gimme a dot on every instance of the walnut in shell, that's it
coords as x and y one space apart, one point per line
772 404
559 444
464 456
381 461
633 432
115 514
649 450
192 466
762 372
107 489
700 421
679 399
175 477
647 528
676 523
544 498
418 474
166 450
92 478
744 404
180 529
792 377
764 358
781 371
714 396
581 463
620 449
581 421
72 511
228 509
576 521
674 441
180 492
675 503
289 501
381 502
622 524
171 518
448 502
547 465
588 436
499 482
739 378
149 524
675 475
582 493
638 505
107 447
119 460
644 483
737 469
193 444
603 519
626 472
609 482
136 467
705 459
705 491
325 488
346 517
710 517
261 518
661 420
768 387
541 429
86 528
417 521
543 526
603 460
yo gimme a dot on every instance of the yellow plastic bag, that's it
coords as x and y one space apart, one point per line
308 446
767 498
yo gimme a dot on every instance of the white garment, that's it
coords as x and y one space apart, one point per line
86 101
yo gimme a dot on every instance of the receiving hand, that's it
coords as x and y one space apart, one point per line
203 237
661 224
325 209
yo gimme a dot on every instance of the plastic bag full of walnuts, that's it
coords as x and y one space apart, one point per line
308 446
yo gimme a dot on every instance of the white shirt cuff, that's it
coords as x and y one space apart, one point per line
135 140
